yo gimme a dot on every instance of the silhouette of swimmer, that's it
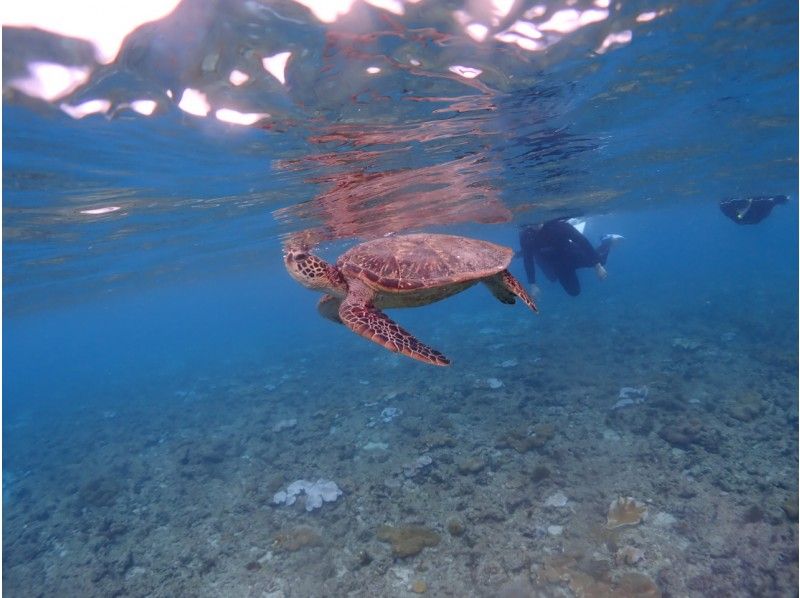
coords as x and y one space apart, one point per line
751 210
559 249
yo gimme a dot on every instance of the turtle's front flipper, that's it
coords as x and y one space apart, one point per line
504 286
328 308
360 315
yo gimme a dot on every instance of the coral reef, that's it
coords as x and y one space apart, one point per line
91 512
316 493
625 511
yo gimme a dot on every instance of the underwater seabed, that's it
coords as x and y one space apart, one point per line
520 471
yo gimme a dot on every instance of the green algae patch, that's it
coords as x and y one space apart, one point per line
407 540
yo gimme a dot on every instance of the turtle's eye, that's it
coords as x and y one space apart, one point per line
300 256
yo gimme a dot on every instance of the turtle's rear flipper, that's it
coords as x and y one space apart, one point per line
504 286
362 318
328 308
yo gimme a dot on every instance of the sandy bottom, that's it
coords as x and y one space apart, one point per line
491 478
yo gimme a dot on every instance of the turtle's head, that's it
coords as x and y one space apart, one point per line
313 272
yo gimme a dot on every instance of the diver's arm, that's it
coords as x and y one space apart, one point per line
530 264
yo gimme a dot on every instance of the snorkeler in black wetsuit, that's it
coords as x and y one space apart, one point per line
751 210
559 249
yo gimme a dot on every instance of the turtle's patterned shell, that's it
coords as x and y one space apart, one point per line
423 261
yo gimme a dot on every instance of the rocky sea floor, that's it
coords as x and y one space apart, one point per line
495 477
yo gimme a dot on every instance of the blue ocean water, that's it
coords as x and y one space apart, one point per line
164 379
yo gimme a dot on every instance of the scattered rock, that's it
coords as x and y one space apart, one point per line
284 424
389 413
407 540
629 395
412 425
524 439
455 527
494 383
471 465
436 440
685 344
558 500
100 492
684 433
636 585
363 558
555 530
629 555
539 473
375 446
419 587
790 507
410 470
753 515
663 519
747 407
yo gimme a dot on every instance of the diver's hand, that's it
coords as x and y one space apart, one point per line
602 273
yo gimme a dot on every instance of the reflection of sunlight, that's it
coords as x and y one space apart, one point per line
90 107
393 6
649 16
239 118
536 12
237 77
327 11
477 31
484 17
569 20
144 107
527 29
623 37
276 65
49 81
98 211
373 70
194 102
103 23
465 71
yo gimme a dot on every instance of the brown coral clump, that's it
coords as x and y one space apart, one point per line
625 511
636 585
592 579
296 538
408 540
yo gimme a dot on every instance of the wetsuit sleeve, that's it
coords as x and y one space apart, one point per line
603 249
530 266
588 255
526 245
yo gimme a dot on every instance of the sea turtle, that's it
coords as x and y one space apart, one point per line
402 271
